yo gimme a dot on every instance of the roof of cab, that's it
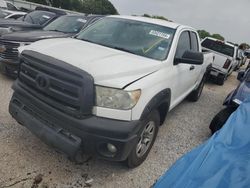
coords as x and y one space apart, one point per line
151 20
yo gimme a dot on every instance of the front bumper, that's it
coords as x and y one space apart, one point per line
71 135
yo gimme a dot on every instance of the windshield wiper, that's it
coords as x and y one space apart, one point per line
109 46
55 30
122 49
84 39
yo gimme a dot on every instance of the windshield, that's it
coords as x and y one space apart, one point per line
218 46
140 38
39 17
67 24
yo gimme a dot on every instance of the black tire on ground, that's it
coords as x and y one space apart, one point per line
220 119
195 95
137 154
221 79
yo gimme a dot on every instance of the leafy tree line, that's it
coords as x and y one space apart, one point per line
85 6
244 46
203 34
156 17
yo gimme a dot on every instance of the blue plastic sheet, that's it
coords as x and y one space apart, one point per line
223 161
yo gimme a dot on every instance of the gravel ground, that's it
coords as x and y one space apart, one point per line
26 162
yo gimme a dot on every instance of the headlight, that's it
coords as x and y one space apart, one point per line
116 98
25 43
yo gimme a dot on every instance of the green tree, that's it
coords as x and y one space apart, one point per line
85 6
244 46
156 17
203 34
218 36
146 15
43 2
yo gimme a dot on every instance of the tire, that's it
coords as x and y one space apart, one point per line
220 119
141 150
195 95
221 79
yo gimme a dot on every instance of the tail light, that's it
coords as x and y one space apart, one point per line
227 64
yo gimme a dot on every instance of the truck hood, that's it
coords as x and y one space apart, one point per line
109 67
32 36
17 23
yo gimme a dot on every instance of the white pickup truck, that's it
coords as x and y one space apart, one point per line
225 58
107 91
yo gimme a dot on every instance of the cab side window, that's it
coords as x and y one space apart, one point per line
194 42
184 44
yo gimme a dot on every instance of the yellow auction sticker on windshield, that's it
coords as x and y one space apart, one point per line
159 34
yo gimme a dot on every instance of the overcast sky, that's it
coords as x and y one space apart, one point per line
230 18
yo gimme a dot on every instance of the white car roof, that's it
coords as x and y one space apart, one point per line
151 20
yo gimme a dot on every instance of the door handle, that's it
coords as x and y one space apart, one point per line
192 67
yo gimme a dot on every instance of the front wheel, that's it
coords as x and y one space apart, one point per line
146 140
220 119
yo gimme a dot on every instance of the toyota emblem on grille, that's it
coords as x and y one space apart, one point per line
41 81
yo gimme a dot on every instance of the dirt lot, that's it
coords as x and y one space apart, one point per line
26 162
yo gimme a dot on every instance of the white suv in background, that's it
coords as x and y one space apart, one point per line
225 58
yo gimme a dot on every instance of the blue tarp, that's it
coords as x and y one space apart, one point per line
222 162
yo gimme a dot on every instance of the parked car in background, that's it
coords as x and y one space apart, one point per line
241 59
65 26
107 91
222 161
233 100
7 5
225 58
34 20
247 57
9 14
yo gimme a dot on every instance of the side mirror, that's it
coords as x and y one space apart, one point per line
190 57
240 76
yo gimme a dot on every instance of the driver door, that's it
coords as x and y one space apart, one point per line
186 74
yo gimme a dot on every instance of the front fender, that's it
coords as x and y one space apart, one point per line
163 97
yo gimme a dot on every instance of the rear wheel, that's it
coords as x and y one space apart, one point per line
146 140
221 79
220 119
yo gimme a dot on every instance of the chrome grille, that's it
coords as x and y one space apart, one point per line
61 88
11 51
